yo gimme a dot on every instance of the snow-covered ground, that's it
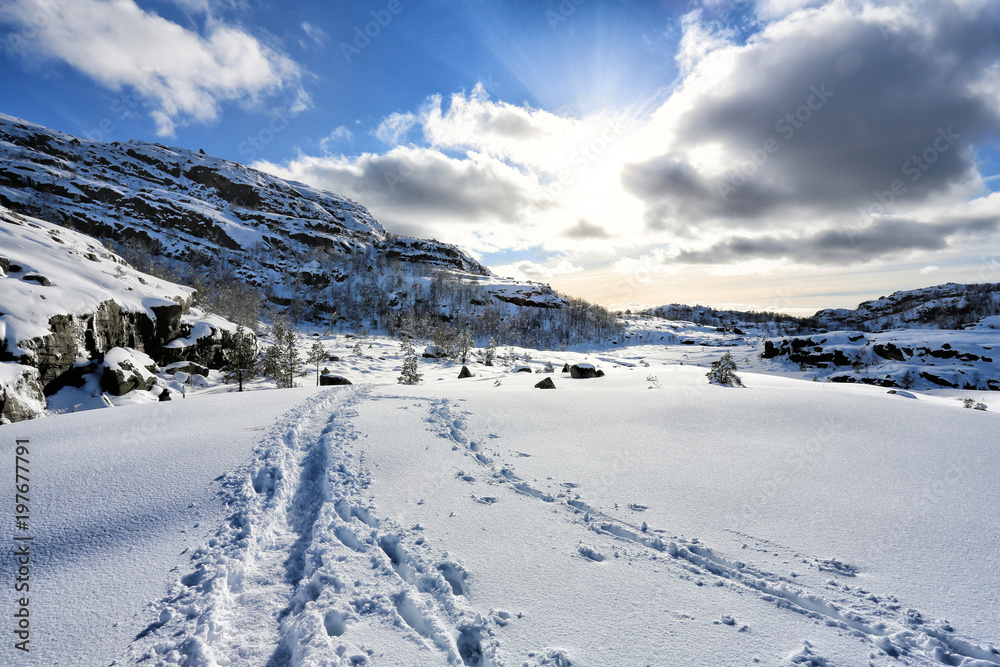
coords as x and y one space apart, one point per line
642 518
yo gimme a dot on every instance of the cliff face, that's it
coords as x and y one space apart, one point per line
65 301
186 203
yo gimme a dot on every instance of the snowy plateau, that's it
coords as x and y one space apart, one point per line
840 510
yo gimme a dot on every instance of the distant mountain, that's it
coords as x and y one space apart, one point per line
949 306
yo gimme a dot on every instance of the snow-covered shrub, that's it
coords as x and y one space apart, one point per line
409 373
724 372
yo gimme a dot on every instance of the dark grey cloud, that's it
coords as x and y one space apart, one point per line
883 239
828 113
584 230
417 185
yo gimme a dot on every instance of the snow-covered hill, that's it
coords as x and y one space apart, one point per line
949 306
66 301
199 216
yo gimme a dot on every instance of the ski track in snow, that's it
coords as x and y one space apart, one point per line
881 620
304 564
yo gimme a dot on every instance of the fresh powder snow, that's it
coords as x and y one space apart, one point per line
642 518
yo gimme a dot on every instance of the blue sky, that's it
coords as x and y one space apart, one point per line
784 154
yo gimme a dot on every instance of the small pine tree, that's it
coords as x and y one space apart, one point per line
316 356
724 372
464 344
357 350
907 381
281 360
410 374
491 351
242 359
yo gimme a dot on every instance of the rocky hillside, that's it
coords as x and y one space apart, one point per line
66 302
949 306
191 216
909 358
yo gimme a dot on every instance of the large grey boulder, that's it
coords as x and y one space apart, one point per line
583 371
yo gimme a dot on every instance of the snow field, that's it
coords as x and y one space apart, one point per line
750 506
641 518
116 497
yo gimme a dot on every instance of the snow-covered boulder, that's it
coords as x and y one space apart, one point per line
333 380
582 371
21 395
125 369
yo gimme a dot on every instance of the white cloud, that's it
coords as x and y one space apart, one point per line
528 270
927 270
395 127
314 32
342 135
185 75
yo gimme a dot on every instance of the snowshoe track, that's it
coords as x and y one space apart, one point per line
892 630
305 564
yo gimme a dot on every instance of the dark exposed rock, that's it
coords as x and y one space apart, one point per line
35 278
93 334
938 380
523 369
582 371
333 381
547 383
565 368
465 373
189 367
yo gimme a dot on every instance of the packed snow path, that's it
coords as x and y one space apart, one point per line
302 559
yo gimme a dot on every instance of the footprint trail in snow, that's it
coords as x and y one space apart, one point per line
304 564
